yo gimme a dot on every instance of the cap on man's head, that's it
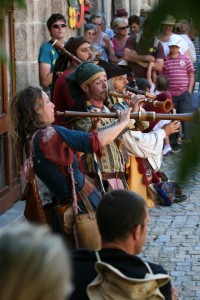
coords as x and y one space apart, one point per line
175 40
85 73
169 20
74 43
145 8
121 12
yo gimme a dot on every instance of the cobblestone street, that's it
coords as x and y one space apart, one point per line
173 238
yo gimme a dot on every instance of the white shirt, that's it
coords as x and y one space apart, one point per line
183 48
191 46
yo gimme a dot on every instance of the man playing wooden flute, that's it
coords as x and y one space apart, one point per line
88 86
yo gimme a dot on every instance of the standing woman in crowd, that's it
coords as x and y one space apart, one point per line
89 33
101 40
166 32
120 28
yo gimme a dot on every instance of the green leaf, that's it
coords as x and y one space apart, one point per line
191 153
190 157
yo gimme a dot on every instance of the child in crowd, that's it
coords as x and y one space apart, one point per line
179 72
159 89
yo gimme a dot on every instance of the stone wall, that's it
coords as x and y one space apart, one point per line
30 32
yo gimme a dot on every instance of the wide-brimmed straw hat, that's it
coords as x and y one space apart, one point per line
169 20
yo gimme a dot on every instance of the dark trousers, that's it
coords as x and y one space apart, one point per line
183 104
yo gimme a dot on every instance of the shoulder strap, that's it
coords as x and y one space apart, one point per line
148 267
87 204
34 210
97 256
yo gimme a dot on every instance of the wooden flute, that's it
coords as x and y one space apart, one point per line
146 94
166 105
56 44
141 116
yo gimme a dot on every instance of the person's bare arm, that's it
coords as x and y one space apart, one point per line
191 82
132 56
174 293
149 73
158 65
108 135
45 74
171 127
187 53
111 52
143 64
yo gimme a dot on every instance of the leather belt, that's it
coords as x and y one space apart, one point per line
106 176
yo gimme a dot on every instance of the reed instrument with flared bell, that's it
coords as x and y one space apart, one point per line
166 105
141 116
146 94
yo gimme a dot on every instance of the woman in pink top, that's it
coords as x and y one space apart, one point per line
121 29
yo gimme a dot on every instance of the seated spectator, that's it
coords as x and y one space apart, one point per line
34 264
122 219
134 24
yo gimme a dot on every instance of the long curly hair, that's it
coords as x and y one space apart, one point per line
23 118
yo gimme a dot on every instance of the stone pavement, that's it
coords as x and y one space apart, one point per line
173 237
13 215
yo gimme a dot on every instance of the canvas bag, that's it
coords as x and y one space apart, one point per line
86 226
111 284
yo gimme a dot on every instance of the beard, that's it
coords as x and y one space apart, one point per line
104 95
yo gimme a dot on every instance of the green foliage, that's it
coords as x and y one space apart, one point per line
177 8
18 2
191 153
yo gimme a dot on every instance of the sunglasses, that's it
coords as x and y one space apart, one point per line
97 24
59 25
123 28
